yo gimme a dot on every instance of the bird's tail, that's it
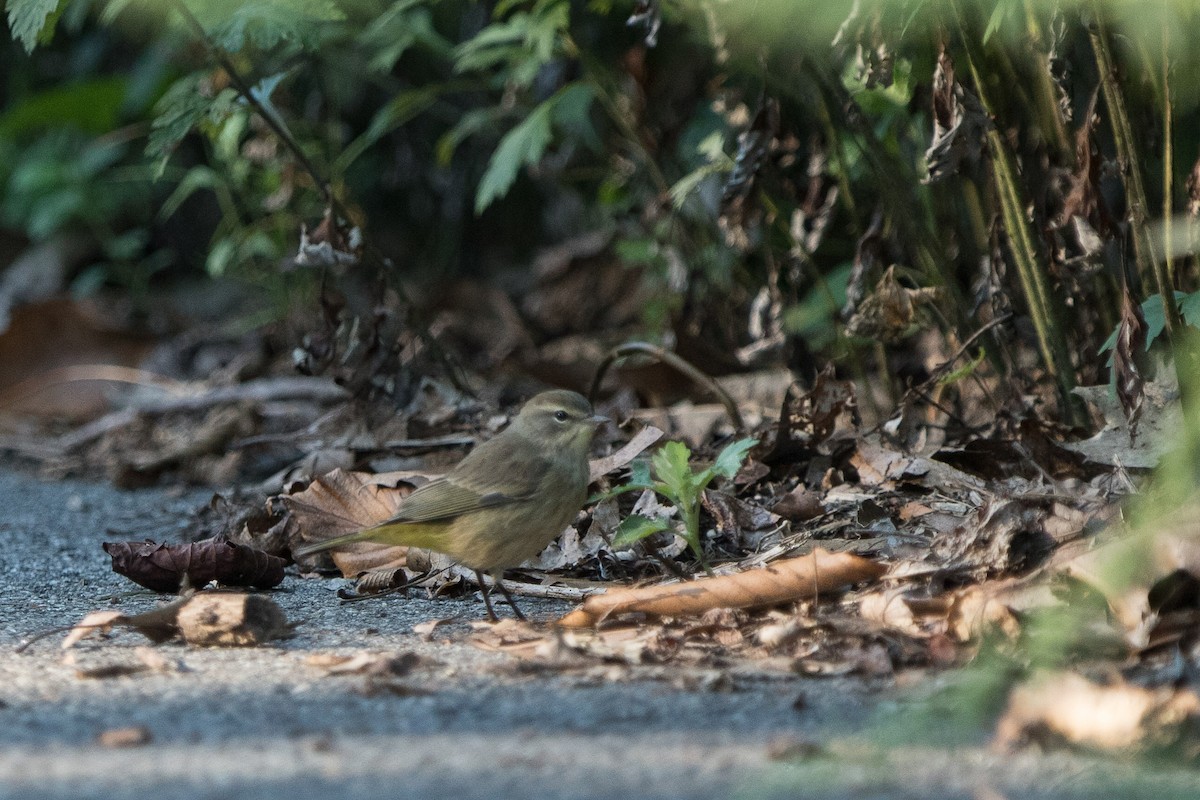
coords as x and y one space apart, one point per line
328 544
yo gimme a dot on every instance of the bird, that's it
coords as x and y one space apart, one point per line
503 503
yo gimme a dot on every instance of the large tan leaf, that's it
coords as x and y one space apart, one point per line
342 502
780 582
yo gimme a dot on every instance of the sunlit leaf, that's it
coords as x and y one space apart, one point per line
670 465
730 460
29 18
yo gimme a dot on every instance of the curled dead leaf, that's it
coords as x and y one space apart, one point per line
780 582
1129 361
95 622
207 618
163 567
231 620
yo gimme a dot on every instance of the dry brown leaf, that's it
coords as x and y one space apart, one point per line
132 736
52 351
95 622
891 609
206 618
374 664
976 610
808 419
780 582
158 625
231 620
1067 709
425 629
644 438
891 311
163 567
799 505
342 502
1130 361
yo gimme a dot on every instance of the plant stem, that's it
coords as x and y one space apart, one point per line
1168 156
1043 309
672 360
246 91
1150 269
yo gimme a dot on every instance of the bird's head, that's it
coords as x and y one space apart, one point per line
560 419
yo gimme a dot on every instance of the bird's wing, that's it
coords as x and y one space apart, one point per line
468 490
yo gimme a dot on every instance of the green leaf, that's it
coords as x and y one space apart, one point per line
520 45
406 24
639 472
730 460
1189 307
523 145
999 13
572 114
469 124
965 371
181 109
495 44
220 256
635 527
91 106
670 465
197 178
31 20
683 188
234 25
399 110
1156 320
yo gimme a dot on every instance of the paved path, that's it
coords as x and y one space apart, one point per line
263 723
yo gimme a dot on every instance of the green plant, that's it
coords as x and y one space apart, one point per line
1156 323
674 479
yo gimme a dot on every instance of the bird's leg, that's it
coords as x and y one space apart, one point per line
511 602
487 601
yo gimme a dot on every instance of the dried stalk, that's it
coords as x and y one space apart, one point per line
1035 283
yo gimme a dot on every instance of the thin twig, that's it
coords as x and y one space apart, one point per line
941 368
110 373
246 91
671 360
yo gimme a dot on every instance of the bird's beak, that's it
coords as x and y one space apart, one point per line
598 419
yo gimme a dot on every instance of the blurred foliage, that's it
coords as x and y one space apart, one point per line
762 163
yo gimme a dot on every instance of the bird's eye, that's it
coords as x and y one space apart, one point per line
560 415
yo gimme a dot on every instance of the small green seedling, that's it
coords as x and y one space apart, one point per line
674 479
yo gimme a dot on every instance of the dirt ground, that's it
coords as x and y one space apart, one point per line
462 723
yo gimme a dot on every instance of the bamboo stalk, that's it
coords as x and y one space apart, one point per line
1043 308
1151 270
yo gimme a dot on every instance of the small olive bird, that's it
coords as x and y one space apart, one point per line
505 501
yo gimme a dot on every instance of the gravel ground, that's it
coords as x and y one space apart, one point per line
464 723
